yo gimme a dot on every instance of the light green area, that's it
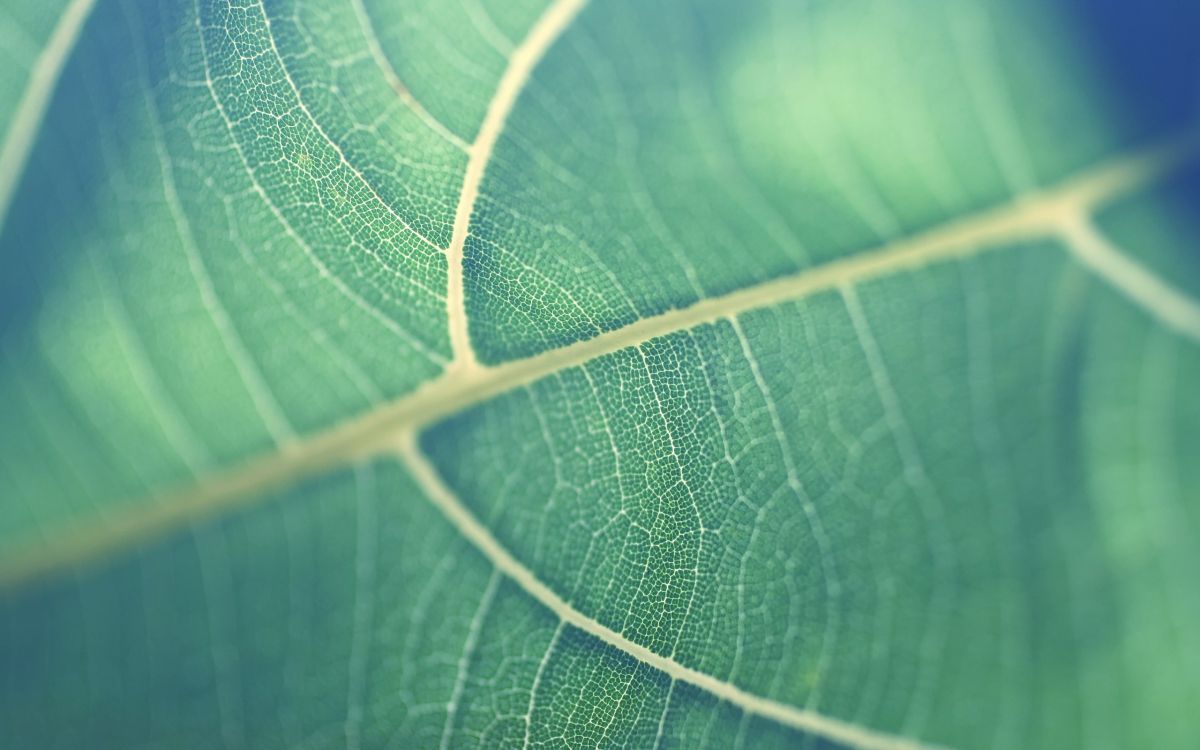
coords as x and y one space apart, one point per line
723 146
956 503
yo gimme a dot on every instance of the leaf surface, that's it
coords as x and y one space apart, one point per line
525 374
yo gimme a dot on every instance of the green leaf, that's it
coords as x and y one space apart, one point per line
530 373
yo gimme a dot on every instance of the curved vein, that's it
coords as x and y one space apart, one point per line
43 81
393 79
249 372
374 432
337 149
323 270
548 28
502 560
1162 301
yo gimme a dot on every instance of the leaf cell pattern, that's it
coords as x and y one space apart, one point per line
555 374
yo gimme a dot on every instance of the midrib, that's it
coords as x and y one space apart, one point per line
1051 213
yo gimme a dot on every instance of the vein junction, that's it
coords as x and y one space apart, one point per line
1058 212
1062 212
524 59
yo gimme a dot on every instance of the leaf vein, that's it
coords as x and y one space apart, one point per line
545 31
375 431
504 562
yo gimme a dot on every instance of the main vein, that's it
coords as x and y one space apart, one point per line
548 28
43 81
503 561
1047 214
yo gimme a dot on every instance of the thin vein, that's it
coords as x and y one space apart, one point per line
464 659
828 562
178 433
323 270
43 81
537 683
249 372
481 538
548 28
393 78
375 431
662 718
976 49
930 506
337 149
487 28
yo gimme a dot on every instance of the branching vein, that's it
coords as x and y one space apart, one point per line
1052 213
503 561
1164 302
393 79
548 28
